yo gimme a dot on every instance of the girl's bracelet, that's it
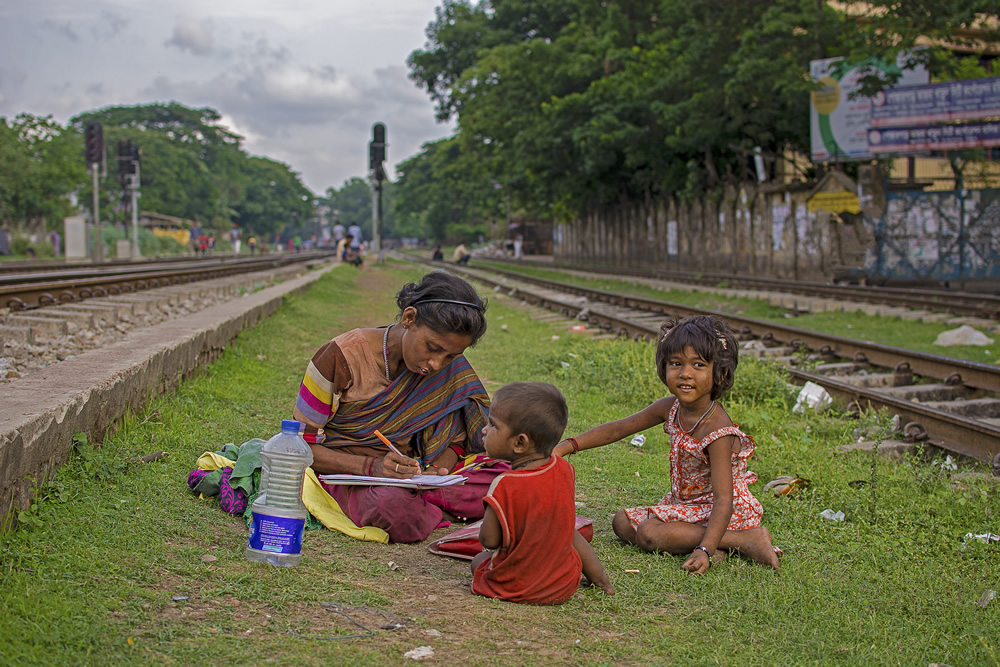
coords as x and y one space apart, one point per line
576 445
701 548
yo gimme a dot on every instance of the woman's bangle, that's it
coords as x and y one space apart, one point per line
369 465
576 445
701 548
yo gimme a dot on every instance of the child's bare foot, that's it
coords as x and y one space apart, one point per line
757 546
718 557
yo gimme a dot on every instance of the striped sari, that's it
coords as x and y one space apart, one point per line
434 410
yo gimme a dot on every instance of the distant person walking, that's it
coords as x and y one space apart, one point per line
56 241
252 242
338 232
519 247
234 236
355 232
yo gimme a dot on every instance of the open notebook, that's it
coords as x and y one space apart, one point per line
415 482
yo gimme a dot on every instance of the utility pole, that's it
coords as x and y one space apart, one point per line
376 156
94 153
128 172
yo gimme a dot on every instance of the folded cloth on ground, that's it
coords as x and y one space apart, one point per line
245 461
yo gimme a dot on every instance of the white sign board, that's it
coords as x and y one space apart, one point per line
838 124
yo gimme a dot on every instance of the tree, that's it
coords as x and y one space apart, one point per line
195 168
41 166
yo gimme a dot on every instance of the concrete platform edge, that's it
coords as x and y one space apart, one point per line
39 414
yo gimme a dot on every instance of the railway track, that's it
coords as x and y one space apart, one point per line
945 402
52 285
955 302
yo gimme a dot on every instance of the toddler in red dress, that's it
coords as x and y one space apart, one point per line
533 552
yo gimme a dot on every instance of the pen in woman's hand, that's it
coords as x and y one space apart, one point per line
395 450
389 444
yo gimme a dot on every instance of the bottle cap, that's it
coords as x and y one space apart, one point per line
290 425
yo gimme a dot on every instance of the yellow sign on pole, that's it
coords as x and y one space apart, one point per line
834 202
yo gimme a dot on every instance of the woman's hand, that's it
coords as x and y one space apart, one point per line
444 463
397 467
697 563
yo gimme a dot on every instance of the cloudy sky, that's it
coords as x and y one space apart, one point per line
302 80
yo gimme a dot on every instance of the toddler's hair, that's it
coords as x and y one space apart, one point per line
445 303
710 338
536 409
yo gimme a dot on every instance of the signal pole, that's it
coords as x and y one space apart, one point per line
134 186
376 156
94 152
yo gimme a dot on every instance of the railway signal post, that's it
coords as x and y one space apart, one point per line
376 156
128 170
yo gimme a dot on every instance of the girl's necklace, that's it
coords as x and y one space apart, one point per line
691 430
385 349
524 463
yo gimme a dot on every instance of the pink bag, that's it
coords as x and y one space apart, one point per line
464 542
465 501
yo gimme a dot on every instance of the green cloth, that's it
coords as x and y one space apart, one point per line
245 477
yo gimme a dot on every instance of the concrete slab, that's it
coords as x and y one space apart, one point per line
83 319
121 307
89 393
100 312
16 335
888 449
928 392
41 326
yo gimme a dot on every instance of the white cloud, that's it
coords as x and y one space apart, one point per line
302 80
191 35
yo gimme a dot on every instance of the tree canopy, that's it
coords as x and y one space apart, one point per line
191 167
574 105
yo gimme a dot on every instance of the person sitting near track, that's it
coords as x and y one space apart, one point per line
351 254
411 381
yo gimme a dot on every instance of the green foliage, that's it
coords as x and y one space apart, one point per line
191 167
447 193
40 165
579 106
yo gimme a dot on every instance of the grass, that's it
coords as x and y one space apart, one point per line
93 573
914 335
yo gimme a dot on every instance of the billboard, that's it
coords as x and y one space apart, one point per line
972 99
838 124
933 137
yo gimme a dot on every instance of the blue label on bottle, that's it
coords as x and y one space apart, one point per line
276 534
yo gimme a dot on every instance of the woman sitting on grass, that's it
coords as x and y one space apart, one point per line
410 381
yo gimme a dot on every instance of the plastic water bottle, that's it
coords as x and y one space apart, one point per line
279 516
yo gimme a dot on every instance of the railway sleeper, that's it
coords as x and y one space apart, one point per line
839 368
16 335
928 392
79 318
877 380
983 409
47 326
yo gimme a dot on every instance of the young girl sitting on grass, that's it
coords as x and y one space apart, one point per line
709 509
534 553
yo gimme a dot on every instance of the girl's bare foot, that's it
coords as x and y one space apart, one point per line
718 557
756 545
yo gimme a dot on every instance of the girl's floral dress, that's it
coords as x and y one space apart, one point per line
690 497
